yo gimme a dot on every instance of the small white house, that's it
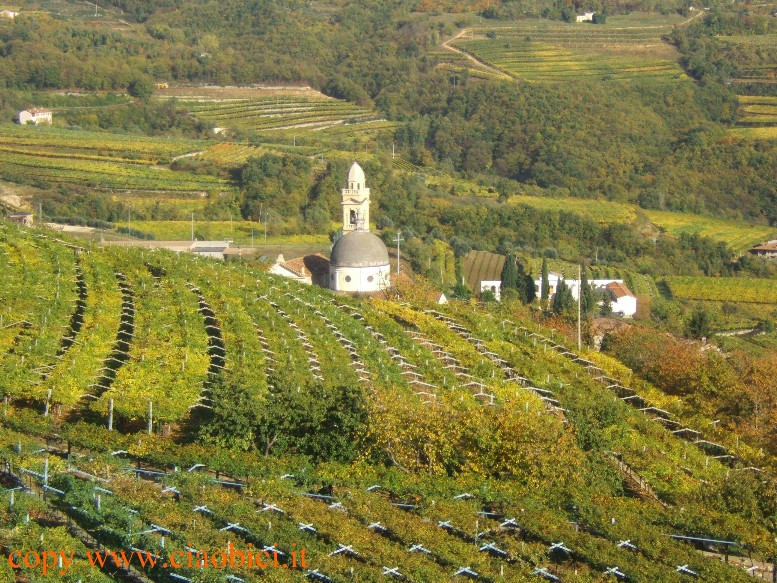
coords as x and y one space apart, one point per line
9 14
585 17
35 116
623 301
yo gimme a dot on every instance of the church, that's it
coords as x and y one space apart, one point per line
359 262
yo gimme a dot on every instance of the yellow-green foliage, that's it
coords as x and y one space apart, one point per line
237 230
601 211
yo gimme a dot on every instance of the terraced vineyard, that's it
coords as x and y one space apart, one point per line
53 156
724 289
545 51
483 265
738 235
480 453
757 117
278 113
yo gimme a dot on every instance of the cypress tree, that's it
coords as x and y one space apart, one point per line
563 300
529 289
510 273
587 296
545 284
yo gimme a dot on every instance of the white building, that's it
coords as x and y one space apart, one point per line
212 249
555 278
9 14
359 260
494 287
35 116
624 302
585 17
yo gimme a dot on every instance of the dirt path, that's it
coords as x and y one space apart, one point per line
478 64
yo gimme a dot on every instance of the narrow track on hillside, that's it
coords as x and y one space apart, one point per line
477 63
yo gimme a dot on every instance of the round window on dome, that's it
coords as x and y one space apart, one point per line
370 279
347 278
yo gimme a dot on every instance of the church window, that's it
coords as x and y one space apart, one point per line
353 217
370 278
347 278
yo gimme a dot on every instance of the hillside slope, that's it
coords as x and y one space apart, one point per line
376 434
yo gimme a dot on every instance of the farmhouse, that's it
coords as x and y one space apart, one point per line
768 249
9 14
585 17
35 116
623 301
20 217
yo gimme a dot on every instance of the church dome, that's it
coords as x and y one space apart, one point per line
356 174
359 249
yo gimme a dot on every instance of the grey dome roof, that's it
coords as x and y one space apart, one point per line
359 249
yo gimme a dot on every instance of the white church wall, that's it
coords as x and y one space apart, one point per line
359 279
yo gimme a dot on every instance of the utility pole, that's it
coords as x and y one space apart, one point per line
129 219
392 150
192 225
398 239
579 301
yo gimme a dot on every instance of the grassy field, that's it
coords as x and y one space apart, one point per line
724 289
739 235
538 50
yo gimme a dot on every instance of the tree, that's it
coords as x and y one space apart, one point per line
563 300
545 283
510 273
140 88
587 295
606 308
699 324
529 289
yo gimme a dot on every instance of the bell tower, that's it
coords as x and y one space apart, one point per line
356 201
